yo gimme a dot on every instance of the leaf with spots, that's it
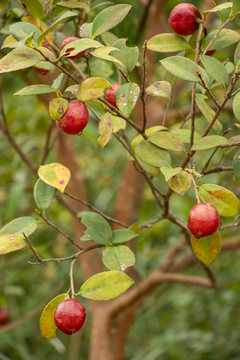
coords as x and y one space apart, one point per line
98 228
47 325
236 105
152 154
57 108
126 97
236 165
181 182
92 88
169 172
18 226
207 249
118 257
56 175
35 90
19 59
77 46
105 129
159 88
10 242
166 140
106 285
224 200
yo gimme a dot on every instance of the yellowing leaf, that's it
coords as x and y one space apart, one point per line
47 324
56 175
10 242
92 88
207 249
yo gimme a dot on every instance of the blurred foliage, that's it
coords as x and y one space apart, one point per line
175 323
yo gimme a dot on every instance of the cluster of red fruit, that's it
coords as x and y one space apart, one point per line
69 316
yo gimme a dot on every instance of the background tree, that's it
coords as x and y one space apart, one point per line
133 175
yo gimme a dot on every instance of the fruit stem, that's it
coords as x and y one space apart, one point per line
71 278
195 189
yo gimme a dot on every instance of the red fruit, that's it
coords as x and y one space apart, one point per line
110 94
75 118
203 220
210 52
4 315
183 19
69 316
67 41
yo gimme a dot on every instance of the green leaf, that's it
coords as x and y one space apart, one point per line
209 142
57 108
106 285
167 141
73 89
103 53
127 55
138 139
152 154
185 135
169 172
105 130
19 59
56 175
159 88
77 46
236 165
236 106
118 257
98 228
237 55
35 90
47 325
184 68
236 6
18 226
216 69
34 7
207 249
123 235
57 82
150 169
109 38
207 112
167 43
10 242
65 16
92 88
118 123
22 30
220 7
181 182
43 194
224 200
126 97
225 38
109 18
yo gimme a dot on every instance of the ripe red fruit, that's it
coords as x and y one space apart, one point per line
69 316
183 19
75 118
203 220
110 94
4 315
67 41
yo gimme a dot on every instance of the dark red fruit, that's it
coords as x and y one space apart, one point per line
184 19
210 52
75 118
110 94
4 315
203 220
67 41
69 316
